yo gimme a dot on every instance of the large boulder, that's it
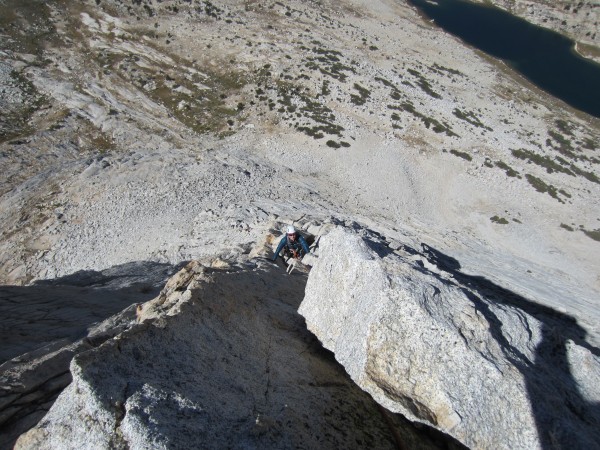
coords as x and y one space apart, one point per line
488 367
220 359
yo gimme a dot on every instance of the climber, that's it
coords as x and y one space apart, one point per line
293 244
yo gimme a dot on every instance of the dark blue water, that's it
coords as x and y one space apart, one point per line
544 57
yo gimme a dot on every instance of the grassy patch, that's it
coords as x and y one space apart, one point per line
564 193
303 112
428 121
212 11
543 161
590 176
471 118
564 126
395 92
363 95
509 170
27 27
552 166
593 234
561 144
385 82
100 142
328 62
437 68
424 84
589 143
462 155
198 100
540 186
204 111
16 117
322 117
566 227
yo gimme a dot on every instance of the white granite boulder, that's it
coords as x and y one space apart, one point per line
491 368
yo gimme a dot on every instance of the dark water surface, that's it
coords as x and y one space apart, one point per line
544 57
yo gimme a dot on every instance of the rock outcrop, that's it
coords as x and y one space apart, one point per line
44 325
30 384
491 368
219 359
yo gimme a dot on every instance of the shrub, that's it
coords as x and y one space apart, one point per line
462 155
499 220
595 234
509 170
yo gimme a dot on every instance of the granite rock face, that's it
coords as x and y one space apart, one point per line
45 324
219 359
491 368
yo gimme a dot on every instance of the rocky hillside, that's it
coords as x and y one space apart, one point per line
136 136
138 131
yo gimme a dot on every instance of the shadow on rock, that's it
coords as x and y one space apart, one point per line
64 308
563 416
44 325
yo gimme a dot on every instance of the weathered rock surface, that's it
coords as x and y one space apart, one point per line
220 359
30 383
489 367
44 325
66 307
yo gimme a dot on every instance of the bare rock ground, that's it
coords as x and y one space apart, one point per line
161 133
